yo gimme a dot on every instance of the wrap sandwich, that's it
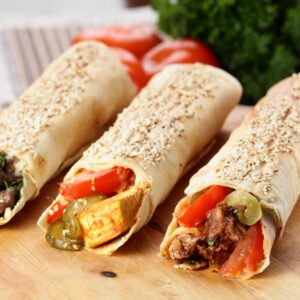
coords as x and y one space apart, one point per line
238 203
113 190
63 111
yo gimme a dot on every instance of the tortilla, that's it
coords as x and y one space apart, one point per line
161 133
262 156
63 111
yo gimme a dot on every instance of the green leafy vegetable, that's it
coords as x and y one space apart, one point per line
257 41
210 244
13 185
2 160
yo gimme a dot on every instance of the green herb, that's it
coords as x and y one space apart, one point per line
7 184
13 185
2 160
257 41
210 244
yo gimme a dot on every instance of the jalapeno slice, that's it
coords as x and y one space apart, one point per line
57 238
66 233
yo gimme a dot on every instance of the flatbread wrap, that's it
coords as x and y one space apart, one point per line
238 203
113 190
63 111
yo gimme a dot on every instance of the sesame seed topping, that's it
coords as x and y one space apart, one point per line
156 118
66 232
273 129
53 95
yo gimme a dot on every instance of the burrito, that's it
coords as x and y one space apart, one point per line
238 203
50 124
113 190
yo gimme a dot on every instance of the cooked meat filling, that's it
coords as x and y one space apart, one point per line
3 178
7 199
10 183
184 246
221 232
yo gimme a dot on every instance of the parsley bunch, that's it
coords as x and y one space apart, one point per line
258 41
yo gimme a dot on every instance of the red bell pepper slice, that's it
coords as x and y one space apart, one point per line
108 182
247 254
196 212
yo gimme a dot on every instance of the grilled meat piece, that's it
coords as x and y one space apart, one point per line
183 246
3 177
8 198
215 242
223 231
223 225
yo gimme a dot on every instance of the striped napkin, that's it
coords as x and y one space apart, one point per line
29 43
25 54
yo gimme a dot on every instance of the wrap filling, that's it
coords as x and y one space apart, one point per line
221 229
10 183
93 208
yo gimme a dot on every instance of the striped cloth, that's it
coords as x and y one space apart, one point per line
28 51
29 44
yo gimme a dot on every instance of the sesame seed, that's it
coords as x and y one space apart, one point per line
52 95
273 129
66 232
156 118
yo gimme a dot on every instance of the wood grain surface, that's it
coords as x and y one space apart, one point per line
30 269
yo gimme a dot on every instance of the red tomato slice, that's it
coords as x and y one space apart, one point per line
56 211
132 66
177 51
247 254
91 183
256 254
137 38
196 212
108 182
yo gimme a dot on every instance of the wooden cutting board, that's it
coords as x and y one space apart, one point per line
30 269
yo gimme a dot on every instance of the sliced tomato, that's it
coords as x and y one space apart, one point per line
137 38
177 51
132 66
196 212
247 254
90 183
56 210
108 182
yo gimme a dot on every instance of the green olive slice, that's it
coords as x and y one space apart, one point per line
57 239
247 207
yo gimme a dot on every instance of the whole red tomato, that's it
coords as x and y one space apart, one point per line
177 51
137 38
133 67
